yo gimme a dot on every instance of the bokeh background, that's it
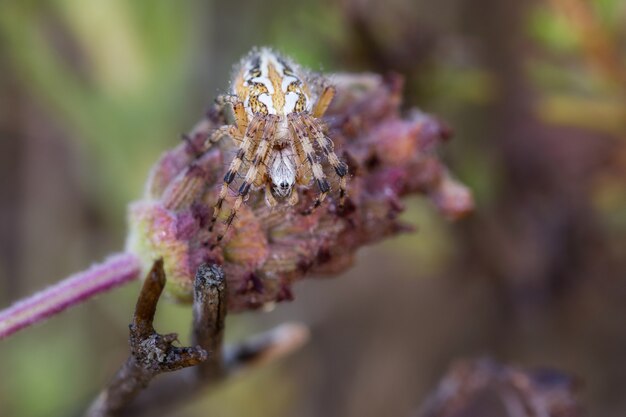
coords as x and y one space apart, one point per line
91 92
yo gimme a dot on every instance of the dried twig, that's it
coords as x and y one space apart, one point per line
209 312
176 388
484 387
153 354
265 347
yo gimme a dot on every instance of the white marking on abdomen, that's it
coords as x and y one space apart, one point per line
283 172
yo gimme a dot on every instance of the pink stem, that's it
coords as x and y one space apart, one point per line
114 271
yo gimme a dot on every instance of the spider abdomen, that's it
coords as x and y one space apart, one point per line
283 171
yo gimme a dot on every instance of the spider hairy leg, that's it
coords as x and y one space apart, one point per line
241 120
293 198
240 117
265 145
326 145
221 132
303 174
318 173
269 198
246 145
324 101
224 100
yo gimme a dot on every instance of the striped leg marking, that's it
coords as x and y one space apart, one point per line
265 145
241 118
246 145
326 145
220 133
323 101
316 169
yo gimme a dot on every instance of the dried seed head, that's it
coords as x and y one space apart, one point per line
388 156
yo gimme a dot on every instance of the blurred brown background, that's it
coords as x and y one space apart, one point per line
91 92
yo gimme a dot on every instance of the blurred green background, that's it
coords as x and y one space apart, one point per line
91 92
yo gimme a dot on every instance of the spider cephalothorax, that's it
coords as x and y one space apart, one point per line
277 106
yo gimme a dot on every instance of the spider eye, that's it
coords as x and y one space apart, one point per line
284 185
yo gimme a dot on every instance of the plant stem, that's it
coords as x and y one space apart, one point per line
151 353
114 271
209 313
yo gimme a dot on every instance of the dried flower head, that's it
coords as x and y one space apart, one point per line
388 156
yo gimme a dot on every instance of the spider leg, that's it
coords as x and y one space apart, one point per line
246 145
269 198
241 118
326 145
221 132
323 101
267 141
302 176
225 99
235 130
318 173
293 198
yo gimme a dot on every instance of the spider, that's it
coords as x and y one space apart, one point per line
277 106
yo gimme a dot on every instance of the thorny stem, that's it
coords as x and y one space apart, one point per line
113 272
152 354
